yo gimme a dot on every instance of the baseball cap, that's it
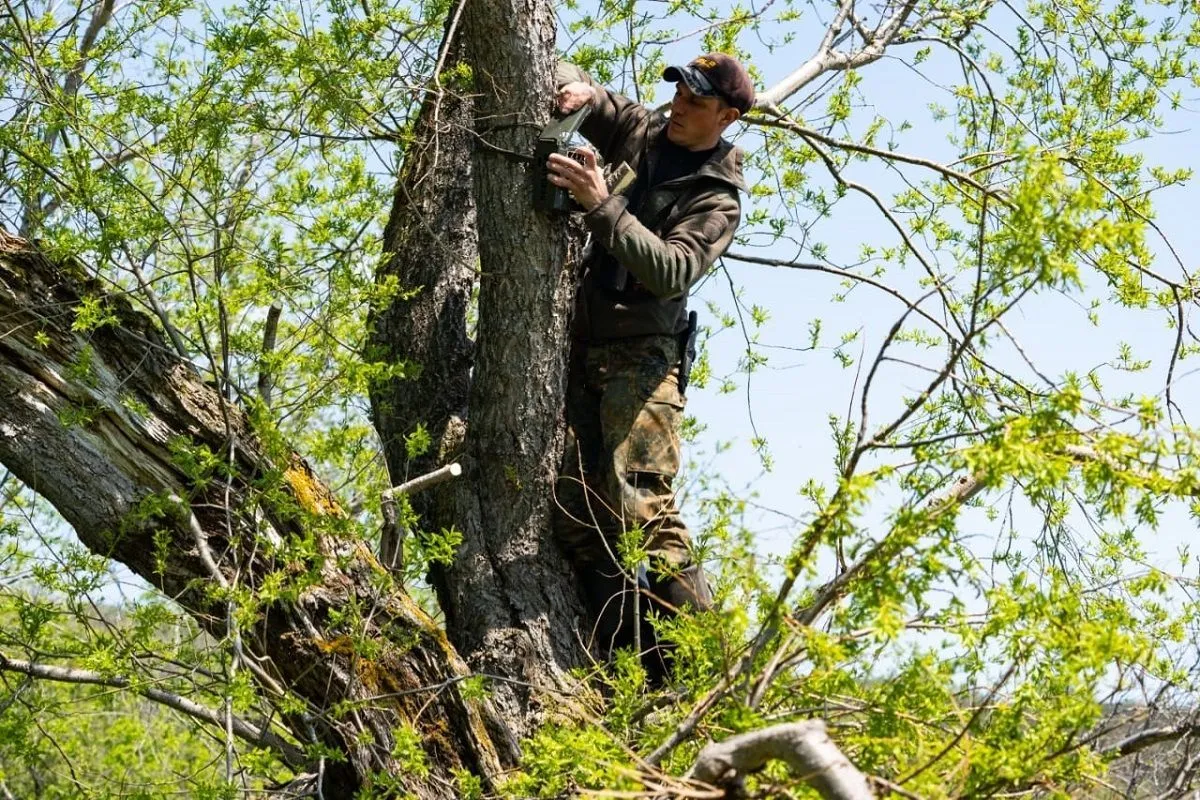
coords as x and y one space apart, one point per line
716 75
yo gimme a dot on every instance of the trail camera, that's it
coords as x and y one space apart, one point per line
560 136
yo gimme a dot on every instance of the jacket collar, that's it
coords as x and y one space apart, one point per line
725 164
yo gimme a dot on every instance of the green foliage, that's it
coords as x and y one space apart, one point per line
563 759
408 752
60 740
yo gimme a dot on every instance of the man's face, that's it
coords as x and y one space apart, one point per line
697 122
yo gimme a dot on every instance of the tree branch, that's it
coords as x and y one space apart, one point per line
805 746
843 273
961 491
1148 738
391 539
827 58
810 135
266 376
292 755
424 482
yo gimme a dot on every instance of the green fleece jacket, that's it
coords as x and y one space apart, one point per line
666 244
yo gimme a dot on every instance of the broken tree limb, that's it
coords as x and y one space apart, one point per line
391 538
1139 741
804 746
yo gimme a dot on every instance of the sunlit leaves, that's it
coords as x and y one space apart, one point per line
229 166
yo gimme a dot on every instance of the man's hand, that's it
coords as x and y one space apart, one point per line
573 96
584 181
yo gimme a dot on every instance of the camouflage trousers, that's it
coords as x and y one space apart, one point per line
614 493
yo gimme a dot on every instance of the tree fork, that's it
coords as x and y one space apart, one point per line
509 598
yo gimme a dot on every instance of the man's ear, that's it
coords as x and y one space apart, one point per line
729 115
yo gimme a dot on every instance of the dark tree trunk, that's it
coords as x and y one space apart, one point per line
98 423
510 602
514 606
431 241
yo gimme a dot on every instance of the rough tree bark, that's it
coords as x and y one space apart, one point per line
432 255
515 433
96 422
510 603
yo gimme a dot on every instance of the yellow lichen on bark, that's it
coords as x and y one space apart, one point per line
340 645
313 496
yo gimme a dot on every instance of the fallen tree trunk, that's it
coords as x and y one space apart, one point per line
102 420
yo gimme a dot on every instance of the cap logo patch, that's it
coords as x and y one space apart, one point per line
704 62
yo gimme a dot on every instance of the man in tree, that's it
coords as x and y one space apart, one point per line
628 372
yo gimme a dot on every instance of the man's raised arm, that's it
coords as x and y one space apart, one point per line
613 115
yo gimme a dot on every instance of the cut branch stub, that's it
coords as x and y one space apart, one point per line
423 482
391 539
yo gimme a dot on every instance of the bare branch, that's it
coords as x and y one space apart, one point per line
104 13
260 737
805 746
844 273
266 378
811 135
156 306
200 537
827 58
1148 738
938 281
